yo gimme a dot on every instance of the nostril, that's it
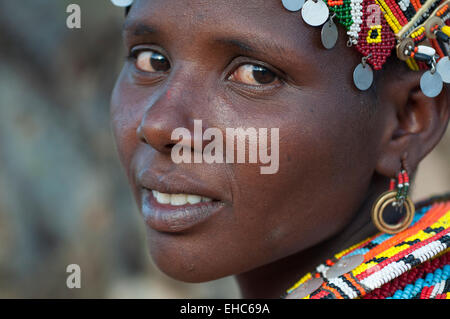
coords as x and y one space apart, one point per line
140 134
156 129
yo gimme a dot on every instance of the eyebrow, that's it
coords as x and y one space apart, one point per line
251 45
255 45
139 29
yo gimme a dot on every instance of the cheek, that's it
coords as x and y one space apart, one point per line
125 116
323 172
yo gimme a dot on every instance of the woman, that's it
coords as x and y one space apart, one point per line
254 64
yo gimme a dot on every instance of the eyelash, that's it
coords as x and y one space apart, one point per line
132 55
248 61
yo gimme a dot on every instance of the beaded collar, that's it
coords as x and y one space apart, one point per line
412 264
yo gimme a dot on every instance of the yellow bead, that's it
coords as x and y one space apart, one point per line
446 30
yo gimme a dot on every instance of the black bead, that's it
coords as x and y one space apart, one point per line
423 57
441 36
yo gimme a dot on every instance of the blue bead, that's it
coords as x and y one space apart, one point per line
437 276
428 279
446 271
397 294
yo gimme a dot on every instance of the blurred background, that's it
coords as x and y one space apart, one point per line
64 198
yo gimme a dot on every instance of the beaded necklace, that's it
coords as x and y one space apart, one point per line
412 264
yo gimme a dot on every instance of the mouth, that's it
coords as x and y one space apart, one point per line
179 199
177 212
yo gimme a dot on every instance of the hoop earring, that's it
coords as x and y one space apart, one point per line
399 199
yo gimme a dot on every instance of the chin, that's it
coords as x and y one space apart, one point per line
183 262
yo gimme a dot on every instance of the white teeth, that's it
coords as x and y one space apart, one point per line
179 199
194 199
162 198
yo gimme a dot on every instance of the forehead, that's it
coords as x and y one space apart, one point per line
260 18
211 8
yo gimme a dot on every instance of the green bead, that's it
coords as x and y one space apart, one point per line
343 14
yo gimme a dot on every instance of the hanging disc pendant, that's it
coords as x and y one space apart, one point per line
329 34
122 3
363 77
306 288
431 84
293 5
443 67
315 12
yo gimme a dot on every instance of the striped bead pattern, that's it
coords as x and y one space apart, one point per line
357 14
396 266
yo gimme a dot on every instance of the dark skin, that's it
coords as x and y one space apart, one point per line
338 146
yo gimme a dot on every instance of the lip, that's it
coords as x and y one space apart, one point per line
178 183
174 219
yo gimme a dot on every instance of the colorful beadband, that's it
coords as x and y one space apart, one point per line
393 264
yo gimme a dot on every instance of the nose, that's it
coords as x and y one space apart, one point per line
171 110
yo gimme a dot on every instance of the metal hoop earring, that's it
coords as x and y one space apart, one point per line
380 205
397 198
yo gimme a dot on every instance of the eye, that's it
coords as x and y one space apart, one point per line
151 61
253 74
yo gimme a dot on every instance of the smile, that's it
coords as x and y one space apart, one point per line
179 199
173 213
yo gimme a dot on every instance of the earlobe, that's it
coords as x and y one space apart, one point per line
416 126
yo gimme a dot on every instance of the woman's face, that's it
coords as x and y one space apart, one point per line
238 64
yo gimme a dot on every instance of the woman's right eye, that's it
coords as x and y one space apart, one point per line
151 61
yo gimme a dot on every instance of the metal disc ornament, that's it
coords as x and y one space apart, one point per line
344 266
443 67
293 5
315 12
431 84
122 3
363 77
306 288
329 34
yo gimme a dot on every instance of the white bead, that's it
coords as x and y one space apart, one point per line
426 50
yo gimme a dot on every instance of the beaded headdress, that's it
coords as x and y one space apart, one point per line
418 31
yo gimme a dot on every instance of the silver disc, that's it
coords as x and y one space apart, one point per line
293 5
344 266
363 77
315 12
306 288
329 34
122 3
431 84
443 67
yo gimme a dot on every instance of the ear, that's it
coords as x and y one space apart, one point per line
415 123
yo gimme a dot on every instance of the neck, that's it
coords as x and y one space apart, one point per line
272 280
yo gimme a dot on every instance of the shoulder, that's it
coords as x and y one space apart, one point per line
412 264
